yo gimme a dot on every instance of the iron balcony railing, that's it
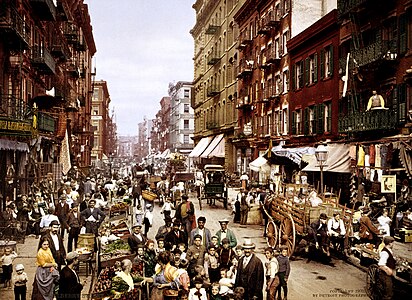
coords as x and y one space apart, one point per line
14 108
14 27
45 9
346 6
45 122
380 50
43 60
380 119
245 67
212 90
244 38
213 58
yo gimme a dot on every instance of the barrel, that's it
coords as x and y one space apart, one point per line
86 240
254 216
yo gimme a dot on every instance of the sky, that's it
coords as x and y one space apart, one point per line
142 46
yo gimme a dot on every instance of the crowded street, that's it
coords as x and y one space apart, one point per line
308 279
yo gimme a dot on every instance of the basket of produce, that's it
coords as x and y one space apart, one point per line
115 251
148 195
84 253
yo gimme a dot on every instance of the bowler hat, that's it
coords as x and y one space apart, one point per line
247 244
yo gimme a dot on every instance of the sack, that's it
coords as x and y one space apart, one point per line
83 230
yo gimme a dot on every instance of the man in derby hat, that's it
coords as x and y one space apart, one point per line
318 231
164 229
136 238
203 231
250 274
224 232
176 236
74 222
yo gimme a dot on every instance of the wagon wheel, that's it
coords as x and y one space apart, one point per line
374 286
272 234
287 235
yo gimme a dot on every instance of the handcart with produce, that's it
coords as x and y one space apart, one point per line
290 214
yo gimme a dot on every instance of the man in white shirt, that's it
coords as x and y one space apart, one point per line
387 264
47 219
337 232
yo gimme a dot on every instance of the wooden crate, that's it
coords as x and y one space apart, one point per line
404 235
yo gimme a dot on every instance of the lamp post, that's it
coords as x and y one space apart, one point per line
321 154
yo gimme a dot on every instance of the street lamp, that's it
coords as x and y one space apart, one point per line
321 154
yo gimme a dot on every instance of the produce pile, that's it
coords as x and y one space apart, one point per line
119 206
121 229
115 249
103 286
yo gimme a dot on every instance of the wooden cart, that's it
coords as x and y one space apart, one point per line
289 221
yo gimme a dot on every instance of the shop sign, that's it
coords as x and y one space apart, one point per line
12 126
247 129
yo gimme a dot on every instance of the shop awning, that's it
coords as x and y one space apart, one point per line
259 164
294 154
165 154
213 144
13 145
219 150
338 160
200 147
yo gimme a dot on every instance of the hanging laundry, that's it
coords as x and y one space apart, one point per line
378 160
361 156
389 155
384 154
372 155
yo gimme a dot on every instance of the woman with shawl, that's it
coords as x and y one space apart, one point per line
46 274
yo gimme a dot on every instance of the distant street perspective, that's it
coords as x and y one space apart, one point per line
205 149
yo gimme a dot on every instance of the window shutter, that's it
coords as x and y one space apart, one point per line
293 78
307 70
403 33
330 61
322 63
293 122
402 102
321 113
315 66
306 121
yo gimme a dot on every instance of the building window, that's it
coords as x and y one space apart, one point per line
269 131
285 127
326 62
185 124
285 81
299 74
95 93
312 69
95 111
278 53
285 39
328 116
186 108
311 120
297 122
186 93
186 139
276 122
96 141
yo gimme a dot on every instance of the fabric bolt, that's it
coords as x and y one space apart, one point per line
372 155
384 153
352 152
361 156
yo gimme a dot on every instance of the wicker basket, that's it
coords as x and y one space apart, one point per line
148 195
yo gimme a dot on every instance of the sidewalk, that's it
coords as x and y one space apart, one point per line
27 256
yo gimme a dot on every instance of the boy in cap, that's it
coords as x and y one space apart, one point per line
20 279
318 230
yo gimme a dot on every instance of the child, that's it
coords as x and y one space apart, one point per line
7 265
139 260
198 292
272 279
182 248
167 208
284 270
175 258
226 254
233 269
226 284
150 259
214 241
214 292
239 251
212 264
20 280
160 246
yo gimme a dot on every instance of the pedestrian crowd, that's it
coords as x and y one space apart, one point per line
185 259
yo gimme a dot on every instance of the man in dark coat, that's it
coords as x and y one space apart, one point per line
174 237
250 274
74 221
92 217
185 213
55 243
62 212
164 229
69 284
137 238
318 231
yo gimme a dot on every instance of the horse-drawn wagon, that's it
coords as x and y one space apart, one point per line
290 214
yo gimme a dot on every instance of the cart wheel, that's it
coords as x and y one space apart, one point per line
287 236
272 234
374 286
